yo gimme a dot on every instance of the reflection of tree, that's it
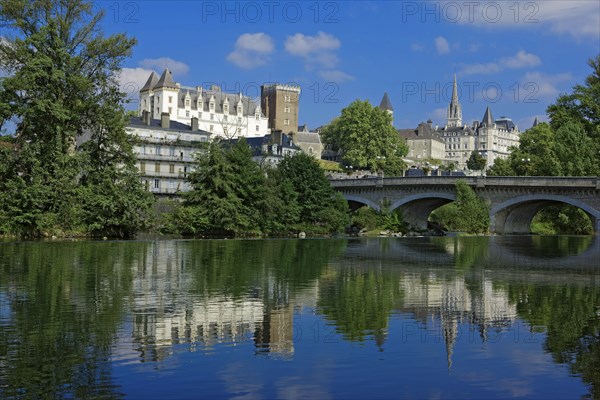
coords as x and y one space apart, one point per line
237 266
65 302
360 301
468 251
570 316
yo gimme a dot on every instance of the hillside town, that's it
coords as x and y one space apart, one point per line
173 120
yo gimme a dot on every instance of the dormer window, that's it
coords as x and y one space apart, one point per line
187 103
239 109
170 99
225 109
212 105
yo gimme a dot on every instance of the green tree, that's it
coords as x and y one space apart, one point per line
318 204
468 213
62 85
367 138
215 195
476 161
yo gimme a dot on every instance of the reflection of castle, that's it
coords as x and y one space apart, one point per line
166 311
454 302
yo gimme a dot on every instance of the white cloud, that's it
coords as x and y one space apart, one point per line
480 69
578 18
159 64
545 85
335 76
520 60
417 47
131 80
441 45
319 50
252 50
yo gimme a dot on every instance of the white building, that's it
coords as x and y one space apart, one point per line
223 114
165 152
491 138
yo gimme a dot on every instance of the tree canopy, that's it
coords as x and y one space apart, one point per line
61 87
367 139
232 196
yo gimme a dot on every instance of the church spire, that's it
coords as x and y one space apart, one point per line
454 109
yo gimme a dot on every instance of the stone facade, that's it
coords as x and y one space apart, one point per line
280 104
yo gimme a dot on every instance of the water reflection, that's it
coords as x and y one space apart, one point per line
71 313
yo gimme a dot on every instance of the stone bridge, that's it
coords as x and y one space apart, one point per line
514 201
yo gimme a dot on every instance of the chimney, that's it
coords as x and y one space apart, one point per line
194 124
165 120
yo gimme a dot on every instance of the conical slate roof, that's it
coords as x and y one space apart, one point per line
151 82
536 122
488 120
386 104
166 80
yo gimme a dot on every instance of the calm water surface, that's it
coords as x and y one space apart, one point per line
479 317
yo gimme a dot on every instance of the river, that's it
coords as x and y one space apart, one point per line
436 317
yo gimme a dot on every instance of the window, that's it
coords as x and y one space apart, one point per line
157 149
200 115
240 120
157 184
211 128
239 131
286 98
187 114
172 151
239 109
225 109
286 109
170 110
212 117
170 99
212 105
225 118
286 121
187 103
143 167
157 167
257 128
157 110
171 168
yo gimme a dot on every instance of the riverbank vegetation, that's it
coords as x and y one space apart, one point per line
233 196
69 167
568 145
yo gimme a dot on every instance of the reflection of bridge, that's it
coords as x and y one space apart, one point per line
514 201
495 252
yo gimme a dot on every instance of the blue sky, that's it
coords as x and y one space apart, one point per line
514 56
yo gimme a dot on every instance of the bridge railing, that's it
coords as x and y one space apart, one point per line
479 181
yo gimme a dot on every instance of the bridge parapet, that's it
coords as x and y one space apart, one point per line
476 181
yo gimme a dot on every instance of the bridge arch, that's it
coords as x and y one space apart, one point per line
515 215
358 199
416 208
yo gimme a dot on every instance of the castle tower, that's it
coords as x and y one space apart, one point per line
147 94
166 94
386 105
280 103
454 109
